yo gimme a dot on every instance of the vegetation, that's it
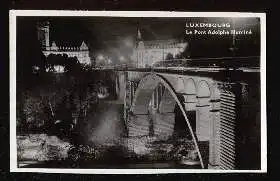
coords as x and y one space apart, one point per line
43 97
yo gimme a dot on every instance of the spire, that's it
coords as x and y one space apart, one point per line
139 36
83 46
139 40
54 47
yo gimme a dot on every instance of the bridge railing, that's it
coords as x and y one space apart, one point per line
221 62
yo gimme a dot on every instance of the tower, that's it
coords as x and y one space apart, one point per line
140 49
43 29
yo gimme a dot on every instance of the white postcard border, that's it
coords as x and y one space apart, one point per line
13 143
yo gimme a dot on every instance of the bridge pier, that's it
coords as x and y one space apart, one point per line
120 82
230 94
138 125
130 87
190 102
214 144
164 118
203 115
163 125
157 97
203 125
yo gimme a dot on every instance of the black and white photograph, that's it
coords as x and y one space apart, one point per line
137 92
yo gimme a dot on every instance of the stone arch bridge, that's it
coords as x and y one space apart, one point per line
221 109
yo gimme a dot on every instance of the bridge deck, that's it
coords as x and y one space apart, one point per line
245 64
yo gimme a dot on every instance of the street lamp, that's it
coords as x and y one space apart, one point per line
233 48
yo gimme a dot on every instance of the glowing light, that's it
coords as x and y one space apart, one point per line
102 92
100 57
59 68
36 67
121 58
109 61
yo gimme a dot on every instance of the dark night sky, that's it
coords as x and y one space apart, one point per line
112 34
104 33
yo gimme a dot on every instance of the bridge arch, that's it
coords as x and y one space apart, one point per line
190 87
143 95
203 89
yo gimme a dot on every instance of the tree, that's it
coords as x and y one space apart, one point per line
169 56
72 65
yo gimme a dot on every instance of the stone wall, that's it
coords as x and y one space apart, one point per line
153 148
163 124
138 125
40 147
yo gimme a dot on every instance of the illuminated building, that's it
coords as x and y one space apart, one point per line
146 53
81 52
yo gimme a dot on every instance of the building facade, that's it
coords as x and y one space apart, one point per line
81 52
146 53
